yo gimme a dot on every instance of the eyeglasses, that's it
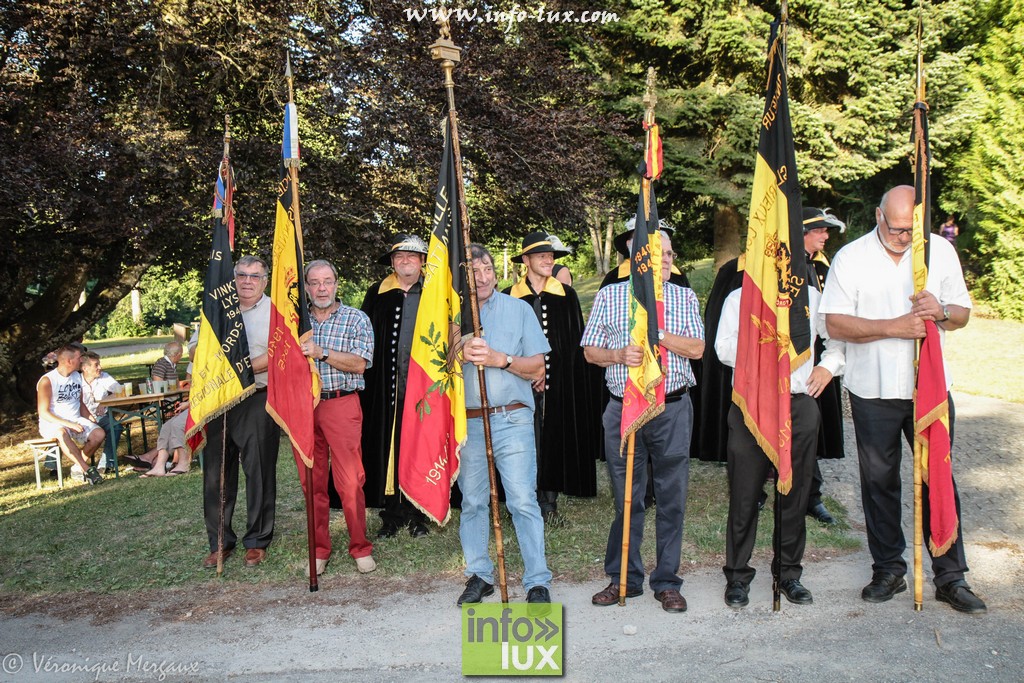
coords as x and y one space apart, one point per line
894 232
250 276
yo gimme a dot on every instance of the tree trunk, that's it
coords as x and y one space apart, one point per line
595 242
608 240
727 234
136 306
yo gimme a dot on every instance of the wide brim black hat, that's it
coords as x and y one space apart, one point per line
815 218
538 243
620 240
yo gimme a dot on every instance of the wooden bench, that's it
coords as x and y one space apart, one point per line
41 450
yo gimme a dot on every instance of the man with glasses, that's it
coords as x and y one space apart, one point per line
664 441
342 345
251 436
869 301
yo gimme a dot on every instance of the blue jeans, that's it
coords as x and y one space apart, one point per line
515 457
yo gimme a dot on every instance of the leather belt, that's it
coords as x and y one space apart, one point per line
479 412
337 393
671 397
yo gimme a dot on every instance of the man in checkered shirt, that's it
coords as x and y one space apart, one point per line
342 344
664 441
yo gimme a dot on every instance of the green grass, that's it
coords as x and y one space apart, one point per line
987 358
133 534
135 366
97 344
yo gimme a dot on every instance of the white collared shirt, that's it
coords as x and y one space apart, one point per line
865 282
729 333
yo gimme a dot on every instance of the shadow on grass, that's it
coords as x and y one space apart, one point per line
134 534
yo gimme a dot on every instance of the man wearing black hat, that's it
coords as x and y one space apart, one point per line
622 243
391 305
817 223
567 415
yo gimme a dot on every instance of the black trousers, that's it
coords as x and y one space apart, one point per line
747 467
252 438
879 423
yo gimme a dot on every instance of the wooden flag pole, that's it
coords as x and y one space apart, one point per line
777 549
445 51
650 100
292 164
918 449
627 508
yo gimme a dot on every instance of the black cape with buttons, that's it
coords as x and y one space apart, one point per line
570 420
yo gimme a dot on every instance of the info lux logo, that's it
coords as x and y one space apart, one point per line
514 639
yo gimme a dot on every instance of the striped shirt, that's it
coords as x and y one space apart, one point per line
348 330
608 328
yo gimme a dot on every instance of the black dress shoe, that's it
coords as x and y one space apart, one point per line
476 590
388 530
417 529
883 586
736 594
795 592
538 594
821 513
960 597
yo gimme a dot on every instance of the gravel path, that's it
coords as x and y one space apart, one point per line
371 629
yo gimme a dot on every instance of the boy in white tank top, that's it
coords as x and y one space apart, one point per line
64 417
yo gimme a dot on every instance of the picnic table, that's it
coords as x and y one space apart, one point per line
142 407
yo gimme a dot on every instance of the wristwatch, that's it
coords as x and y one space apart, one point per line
661 335
327 353
945 315
508 362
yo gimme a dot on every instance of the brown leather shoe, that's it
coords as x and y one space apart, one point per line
610 595
671 600
253 556
211 560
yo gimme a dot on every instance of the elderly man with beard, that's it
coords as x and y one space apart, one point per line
342 344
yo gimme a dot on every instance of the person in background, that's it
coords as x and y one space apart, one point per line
63 416
96 386
167 367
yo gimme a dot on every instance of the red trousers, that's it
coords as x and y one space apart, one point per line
337 431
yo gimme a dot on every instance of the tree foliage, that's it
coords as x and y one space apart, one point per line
989 175
111 117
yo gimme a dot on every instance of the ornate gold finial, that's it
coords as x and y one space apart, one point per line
443 47
650 95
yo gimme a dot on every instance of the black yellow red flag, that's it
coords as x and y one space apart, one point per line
434 417
774 336
221 373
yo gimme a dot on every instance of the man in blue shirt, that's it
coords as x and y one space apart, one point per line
511 350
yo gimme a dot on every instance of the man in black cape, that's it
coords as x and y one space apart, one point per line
568 414
391 305
716 382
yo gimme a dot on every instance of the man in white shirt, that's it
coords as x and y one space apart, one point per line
869 301
748 465
96 386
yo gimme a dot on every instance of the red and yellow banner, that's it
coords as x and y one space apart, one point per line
774 335
293 383
434 417
644 396
931 405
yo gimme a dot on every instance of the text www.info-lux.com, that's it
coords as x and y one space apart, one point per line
509 18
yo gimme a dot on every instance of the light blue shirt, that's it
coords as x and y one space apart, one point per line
510 326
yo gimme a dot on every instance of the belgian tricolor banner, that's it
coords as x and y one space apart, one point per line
931 406
293 383
774 336
644 396
434 417
221 373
